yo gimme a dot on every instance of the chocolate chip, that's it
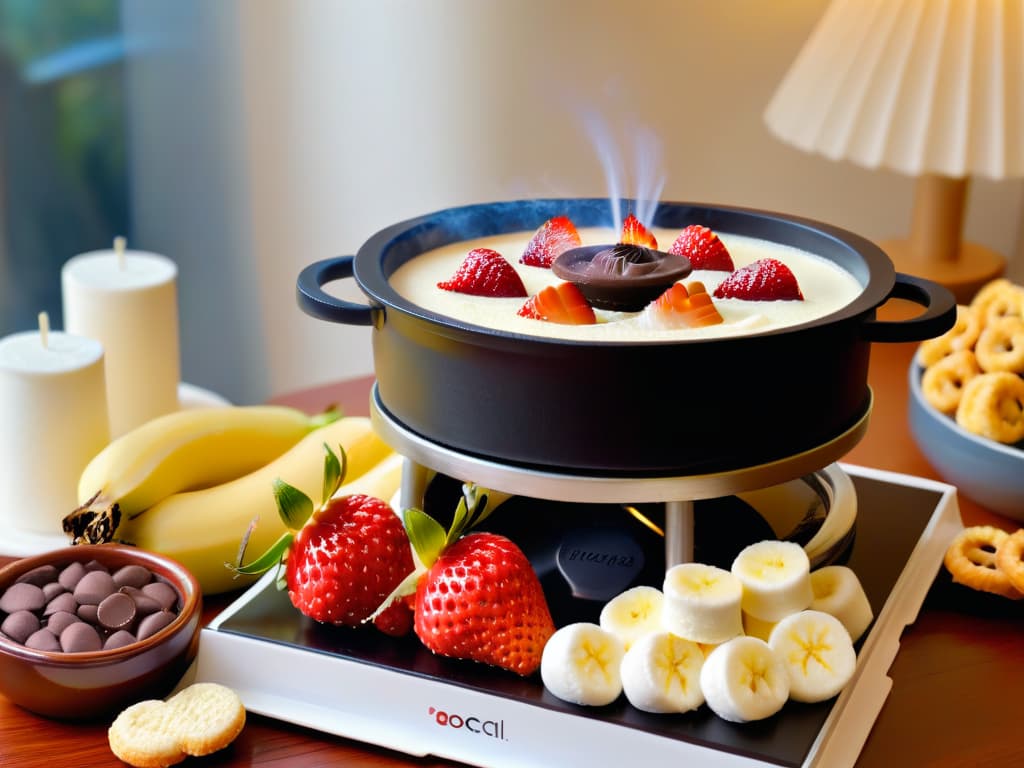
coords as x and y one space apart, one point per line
40 576
163 593
63 602
117 611
53 589
88 613
144 604
59 621
93 587
154 623
71 575
80 637
119 639
132 576
43 640
22 597
20 625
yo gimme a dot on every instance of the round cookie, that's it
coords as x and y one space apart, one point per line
198 720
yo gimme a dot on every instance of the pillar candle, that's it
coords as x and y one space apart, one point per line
127 300
53 409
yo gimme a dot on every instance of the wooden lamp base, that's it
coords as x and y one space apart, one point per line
935 250
974 266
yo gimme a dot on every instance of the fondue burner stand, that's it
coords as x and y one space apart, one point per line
677 493
392 692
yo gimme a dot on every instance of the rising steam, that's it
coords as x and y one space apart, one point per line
645 160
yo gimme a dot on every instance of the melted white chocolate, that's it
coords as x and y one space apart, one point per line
826 288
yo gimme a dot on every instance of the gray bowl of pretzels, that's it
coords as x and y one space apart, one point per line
967 399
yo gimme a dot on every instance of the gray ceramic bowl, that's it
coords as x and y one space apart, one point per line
96 684
987 472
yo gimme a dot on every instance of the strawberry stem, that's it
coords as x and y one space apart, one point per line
334 471
294 507
268 559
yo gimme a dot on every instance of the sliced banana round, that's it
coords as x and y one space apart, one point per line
702 603
817 653
838 591
633 614
581 664
744 680
776 578
661 673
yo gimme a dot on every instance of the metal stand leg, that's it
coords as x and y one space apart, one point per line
414 484
678 532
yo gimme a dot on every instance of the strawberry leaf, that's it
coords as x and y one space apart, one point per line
268 559
334 471
426 535
294 507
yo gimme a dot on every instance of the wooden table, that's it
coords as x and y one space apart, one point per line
957 679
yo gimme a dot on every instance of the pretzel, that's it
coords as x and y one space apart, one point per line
992 406
998 298
971 560
1010 559
962 335
1000 346
943 382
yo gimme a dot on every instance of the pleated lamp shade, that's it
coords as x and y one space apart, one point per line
929 88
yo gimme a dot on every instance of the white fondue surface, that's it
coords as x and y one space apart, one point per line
826 288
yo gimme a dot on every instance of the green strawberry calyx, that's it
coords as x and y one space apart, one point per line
429 538
295 509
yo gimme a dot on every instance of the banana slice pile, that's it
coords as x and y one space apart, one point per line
743 641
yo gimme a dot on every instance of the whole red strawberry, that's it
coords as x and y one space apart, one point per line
341 559
703 248
763 280
485 272
481 600
476 595
552 238
347 559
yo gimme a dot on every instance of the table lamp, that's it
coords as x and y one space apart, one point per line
929 88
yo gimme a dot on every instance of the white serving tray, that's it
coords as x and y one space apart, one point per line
391 702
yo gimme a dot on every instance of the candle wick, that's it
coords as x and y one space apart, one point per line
119 244
44 329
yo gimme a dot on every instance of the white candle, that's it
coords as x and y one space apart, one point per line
128 301
53 409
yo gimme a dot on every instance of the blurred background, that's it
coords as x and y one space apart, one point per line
246 139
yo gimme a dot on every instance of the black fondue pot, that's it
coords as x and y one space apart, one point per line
660 408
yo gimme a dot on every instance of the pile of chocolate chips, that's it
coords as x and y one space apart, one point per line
84 607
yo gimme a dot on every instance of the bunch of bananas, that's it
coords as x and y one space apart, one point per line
191 484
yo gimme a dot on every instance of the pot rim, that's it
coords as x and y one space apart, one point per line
392 246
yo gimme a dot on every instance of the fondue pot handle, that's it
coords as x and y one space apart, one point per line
938 317
316 302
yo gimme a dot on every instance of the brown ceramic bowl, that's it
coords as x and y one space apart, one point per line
95 684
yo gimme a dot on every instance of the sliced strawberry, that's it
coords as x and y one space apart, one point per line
485 272
687 306
763 280
554 237
703 248
561 303
635 233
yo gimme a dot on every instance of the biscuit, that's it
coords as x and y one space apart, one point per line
961 336
198 720
943 383
1010 559
971 560
992 405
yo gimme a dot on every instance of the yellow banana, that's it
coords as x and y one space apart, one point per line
187 450
203 529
